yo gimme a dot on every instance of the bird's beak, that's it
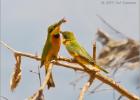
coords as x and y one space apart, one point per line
61 32
63 20
58 24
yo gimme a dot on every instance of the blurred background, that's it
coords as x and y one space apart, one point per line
24 27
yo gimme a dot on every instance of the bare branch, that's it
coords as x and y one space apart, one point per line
120 97
47 77
39 75
21 53
71 65
39 94
94 52
5 98
7 46
111 27
86 87
97 87
73 83
116 86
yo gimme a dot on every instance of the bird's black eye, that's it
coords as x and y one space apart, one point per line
65 36
56 35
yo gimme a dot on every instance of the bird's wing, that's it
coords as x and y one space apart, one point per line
46 49
78 50
86 55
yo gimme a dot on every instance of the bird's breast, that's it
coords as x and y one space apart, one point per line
56 43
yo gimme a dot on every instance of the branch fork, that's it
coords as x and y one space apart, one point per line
71 64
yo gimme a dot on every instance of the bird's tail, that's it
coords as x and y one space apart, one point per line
50 81
101 69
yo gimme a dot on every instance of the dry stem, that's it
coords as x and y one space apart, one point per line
99 76
86 87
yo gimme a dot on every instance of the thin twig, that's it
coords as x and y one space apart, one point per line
114 94
39 75
46 77
111 27
96 88
33 72
21 53
120 97
5 98
116 86
100 90
39 94
94 52
8 47
86 87
72 66
73 83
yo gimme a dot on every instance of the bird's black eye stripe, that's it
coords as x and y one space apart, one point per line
50 30
65 36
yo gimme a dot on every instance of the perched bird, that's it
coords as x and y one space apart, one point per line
77 51
51 48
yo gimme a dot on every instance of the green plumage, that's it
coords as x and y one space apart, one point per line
46 49
51 48
77 51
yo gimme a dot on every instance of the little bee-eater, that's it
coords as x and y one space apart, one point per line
77 51
51 48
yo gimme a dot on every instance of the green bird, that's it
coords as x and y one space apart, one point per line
51 48
77 51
